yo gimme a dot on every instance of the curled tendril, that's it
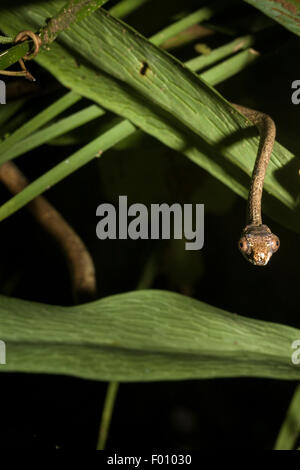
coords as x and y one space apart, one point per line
23 36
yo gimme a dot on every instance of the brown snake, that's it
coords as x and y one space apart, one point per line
257 242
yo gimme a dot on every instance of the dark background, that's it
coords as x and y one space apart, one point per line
51 412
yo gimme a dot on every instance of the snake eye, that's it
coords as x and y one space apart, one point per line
244 245
275 244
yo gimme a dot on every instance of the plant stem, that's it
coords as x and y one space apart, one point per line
80 263
200 15
73 11
149 273
126 7
110 398
38 121
290 429
68 166
231 66
220 53
9 110
13 74
57 129
6 40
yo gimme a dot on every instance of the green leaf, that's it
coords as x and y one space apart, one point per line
143 336
285 12
12 55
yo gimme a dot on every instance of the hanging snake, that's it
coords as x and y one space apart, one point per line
257 242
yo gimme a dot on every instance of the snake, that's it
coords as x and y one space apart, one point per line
257 242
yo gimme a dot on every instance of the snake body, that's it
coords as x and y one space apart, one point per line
257 242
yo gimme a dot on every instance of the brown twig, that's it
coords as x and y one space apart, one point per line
73 11
79 260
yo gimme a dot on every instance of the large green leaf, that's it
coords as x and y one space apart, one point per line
285 12
101 58
143 336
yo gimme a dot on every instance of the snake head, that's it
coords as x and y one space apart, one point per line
258 243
